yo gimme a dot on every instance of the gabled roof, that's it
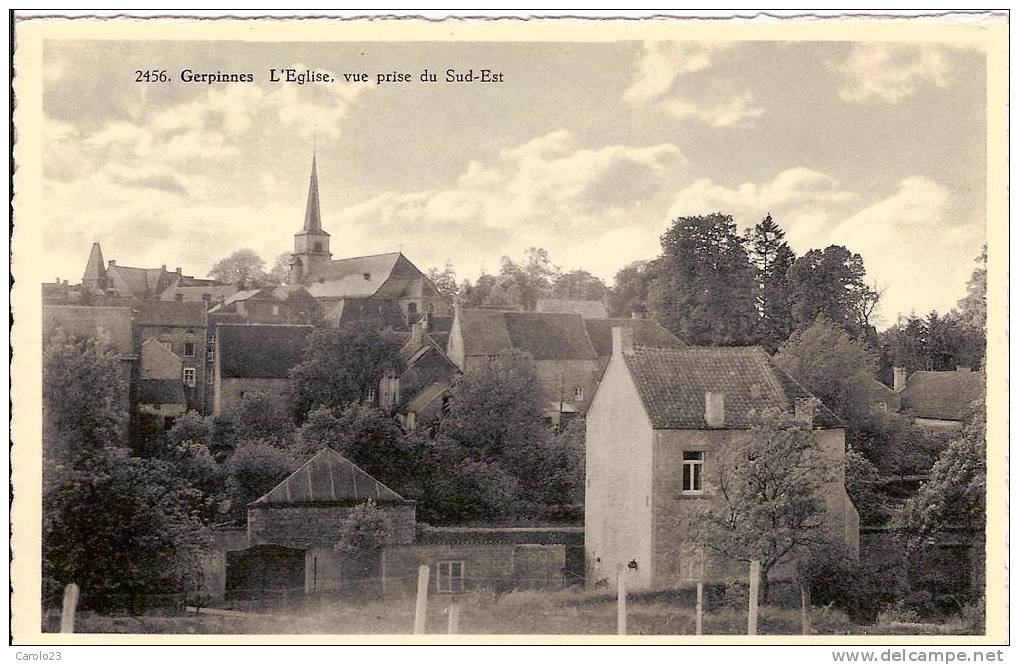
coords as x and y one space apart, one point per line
170 313
245 295
88 321
140 282
546 336
328 478
589 309
646 332
161 391
672 384
260 351
424 397
360 276
942 395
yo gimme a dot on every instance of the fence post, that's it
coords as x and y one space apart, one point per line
454 618
755 580
805 608
70 606
700 607
621 598
421 607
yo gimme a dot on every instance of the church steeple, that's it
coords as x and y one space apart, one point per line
311 243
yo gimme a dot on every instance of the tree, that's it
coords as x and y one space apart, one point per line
832 366
244 268
769 505
83 395
304 308
703 287
475 295
630 290
265 417
863 483
121 525
457 488
523 284
191 427
280 273
253 469
366 529
445 282
578 285
830 283
771 257
341 366
973 308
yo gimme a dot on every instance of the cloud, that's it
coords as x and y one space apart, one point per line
891 72
659 68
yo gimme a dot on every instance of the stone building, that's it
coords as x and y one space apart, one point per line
109 280
254 358
653 430
417 394
253 306
181 328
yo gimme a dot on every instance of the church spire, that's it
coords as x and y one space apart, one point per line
312 214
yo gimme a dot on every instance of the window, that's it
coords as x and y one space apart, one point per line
189 377
318 247
412 308
275 310
693 471
371 396
189 349
691 563
179 297
168 423
450 577
578 393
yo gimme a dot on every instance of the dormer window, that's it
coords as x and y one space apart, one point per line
367 276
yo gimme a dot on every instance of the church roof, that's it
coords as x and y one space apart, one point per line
328 478
358 277
312 212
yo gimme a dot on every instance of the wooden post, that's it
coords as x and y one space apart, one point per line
70 606
621 597
755 581
700 607
805 608
454 618
421 608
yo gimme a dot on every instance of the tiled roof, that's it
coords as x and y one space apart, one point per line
355 277
260 351
545 336
589 309
170 313
672 384
161 391
646 332
942 395
328 478
87 321
140 282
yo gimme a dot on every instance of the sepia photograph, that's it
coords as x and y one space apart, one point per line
459 330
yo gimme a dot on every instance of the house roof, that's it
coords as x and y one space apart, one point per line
424 397
646 332
360 276
170 313
546 336
672 384
380 313
260 351
161 391
589 309
140 282
942 395
328 478
87 321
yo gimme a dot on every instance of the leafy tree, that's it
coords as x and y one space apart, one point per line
703 287
523 284
578 285
863 482
244 268
191 427
263 416
366 529
629 292
304 308
475 295
973 308
253 469
321 429
771 257
769 503
831 283
457 488
280 272
341 366
83 394
120 525
555 467
445 282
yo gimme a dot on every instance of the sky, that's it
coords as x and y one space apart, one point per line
586 149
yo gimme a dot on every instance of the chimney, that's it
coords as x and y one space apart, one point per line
963 368
178 270
714 409
163 267
805 409
898 378
622 340
112 263
416 333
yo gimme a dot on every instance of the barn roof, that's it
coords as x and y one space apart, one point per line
589 309
328 478
646 332
942 395
672 384
260 351
546 336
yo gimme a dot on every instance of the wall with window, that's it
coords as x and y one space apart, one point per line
190 344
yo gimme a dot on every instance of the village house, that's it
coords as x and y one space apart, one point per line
110 280
253 306
181 328
251 358
939 400
653 430
417 395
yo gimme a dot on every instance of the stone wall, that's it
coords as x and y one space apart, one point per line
229 392
305 526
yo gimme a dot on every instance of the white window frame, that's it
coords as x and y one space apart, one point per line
444 580
689 472
193 374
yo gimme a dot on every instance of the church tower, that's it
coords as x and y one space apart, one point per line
311 244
